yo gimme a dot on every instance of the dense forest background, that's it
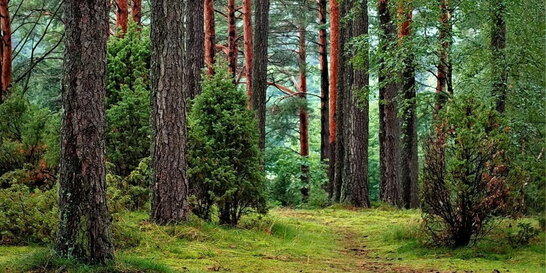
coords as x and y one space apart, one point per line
399 104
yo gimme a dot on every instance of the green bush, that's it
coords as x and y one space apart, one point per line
131 192
524 234
27 216
225 161
128 136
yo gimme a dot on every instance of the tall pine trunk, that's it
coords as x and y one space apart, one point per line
6 49
122 16
210 36
409 161
303 114
498 55
389 124
136 11
324 81
247 36
169 180
233 50
358 117
195 47
334 70
259 66
84 222
444 86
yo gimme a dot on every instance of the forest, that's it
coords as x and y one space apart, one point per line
272 136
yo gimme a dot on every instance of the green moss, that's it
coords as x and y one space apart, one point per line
327 240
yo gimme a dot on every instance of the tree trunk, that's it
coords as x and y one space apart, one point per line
498 56
195 47
259 66
358 119
344 83
324 82
7 75
136 11
169 181
409 161
210 36
84 226
389 125
444 86
304 115
247 29
122 16
334 70
233 51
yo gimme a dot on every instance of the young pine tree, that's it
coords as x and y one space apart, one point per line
225 161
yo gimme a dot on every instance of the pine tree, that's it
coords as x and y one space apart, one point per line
5 49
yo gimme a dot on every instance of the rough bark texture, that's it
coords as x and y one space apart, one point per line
409 154
84 223
6 50
324 82
358 116
389 125
344 84
444 78
304 115
136 11
122 16
498 56
233 50
210 36
195 48
259 66
247 36
334 66
169 181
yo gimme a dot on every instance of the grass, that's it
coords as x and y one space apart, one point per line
325 240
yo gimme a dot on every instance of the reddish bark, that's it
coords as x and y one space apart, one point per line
324 82
304 115
7 76
247 29
334 66
443 84
136 11
232 37
122 16
210 36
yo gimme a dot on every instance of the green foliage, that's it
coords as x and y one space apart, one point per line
465 180
524 234
29 139
131 192
225 162
128 100
27 216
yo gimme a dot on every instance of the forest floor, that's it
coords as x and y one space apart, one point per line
288 240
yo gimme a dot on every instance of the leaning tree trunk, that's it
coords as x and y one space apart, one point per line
259 66
498 55
334 70
195 48
324 82
210 36
136 12
7 75
303 114
444 86
169 180
357 119
84 223
389 125
233 50
247 36
409 158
